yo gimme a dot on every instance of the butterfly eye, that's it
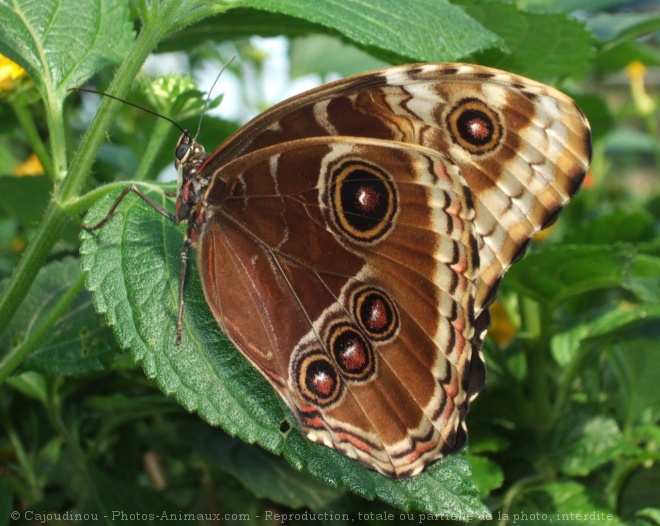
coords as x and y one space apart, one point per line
181 151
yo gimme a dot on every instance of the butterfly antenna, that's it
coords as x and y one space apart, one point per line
208 97
85 90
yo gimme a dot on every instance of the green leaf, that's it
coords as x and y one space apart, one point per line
486 474
622 141
322 54
622 27
132 267
614 59
571 504
30 384
645 278
570 6
566 502
616 323
236 24
581 442
539 45
640 495
60 43
487 442
449 34
636 366
117 408
618 226
25 198
556 274
78 342
651 514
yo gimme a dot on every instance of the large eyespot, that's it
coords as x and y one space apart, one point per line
317 378
474 126
376 314
351 351
363 201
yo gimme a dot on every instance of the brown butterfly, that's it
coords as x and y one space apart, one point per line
351 238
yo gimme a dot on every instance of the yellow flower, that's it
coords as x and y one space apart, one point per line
10 72
542 235
18 244
645 104
502 329
32 166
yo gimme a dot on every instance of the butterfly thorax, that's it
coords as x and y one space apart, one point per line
188 157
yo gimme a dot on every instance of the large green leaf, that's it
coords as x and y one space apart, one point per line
62 43
581 442
562 272
635 363
448 33
630 226
614 324
539 45
132 267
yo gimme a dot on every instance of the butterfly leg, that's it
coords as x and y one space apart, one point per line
187 243
153 204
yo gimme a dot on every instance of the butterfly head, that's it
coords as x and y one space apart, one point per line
188 157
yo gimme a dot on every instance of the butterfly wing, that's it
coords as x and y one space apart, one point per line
346 272
522 147
359 231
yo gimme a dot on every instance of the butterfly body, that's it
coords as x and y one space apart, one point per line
350 239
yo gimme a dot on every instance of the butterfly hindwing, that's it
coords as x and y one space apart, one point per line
346 272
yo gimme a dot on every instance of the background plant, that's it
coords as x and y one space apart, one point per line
569 420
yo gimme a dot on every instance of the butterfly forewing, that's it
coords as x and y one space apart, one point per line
522 147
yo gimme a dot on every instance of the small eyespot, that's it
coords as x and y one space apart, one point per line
351 352
317 379
376 314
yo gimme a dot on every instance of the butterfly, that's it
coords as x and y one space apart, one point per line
351 239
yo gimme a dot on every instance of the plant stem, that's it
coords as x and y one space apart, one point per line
536 351
31 262
27 470
53 404
57 138
569 375
153 149
92 140
27 123
56 215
